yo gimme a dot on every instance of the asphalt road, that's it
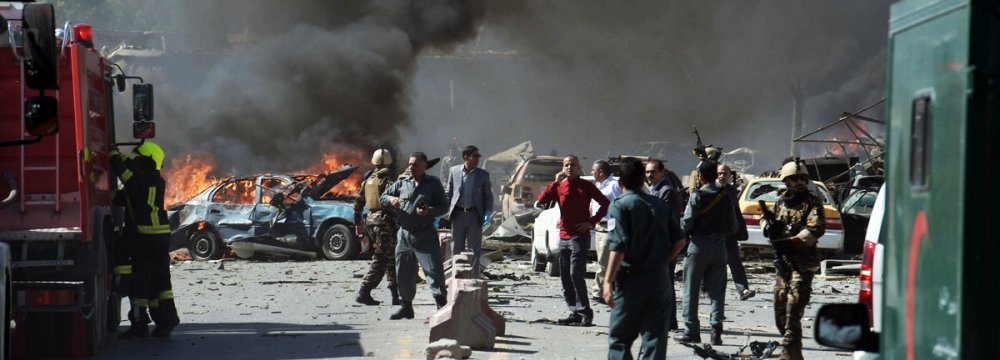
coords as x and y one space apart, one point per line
239 309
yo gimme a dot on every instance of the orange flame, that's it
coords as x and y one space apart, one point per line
188 175
191 173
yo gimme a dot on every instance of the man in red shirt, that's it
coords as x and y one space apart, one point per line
575 222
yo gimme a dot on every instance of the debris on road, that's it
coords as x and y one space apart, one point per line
447 349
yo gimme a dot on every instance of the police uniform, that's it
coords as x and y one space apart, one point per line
643 288
708 220
417 240
380 224
147 232
804 218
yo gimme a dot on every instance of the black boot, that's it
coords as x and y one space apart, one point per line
441 301
405 311
365 296
687 338
166 319
136 331
395 294
717 334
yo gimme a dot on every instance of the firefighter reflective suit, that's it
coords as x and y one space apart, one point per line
804 222
380 226
146 239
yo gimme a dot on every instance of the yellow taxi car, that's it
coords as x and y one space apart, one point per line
767 189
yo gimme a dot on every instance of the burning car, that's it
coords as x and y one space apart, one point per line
273 214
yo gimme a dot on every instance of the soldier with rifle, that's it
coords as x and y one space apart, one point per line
380 226
793 229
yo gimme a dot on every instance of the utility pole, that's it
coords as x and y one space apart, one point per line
798 100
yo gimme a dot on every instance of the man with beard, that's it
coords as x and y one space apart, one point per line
802 215
659 184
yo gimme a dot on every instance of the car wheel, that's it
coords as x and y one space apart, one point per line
537 261
554 267
339 244
204 245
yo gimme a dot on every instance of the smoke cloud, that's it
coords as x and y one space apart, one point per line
304 79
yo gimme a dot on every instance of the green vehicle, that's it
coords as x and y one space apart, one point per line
941 279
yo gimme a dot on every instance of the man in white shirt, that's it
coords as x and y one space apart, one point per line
601 170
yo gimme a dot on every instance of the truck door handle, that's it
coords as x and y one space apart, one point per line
215 211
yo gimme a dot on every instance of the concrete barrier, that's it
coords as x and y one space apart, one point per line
467 318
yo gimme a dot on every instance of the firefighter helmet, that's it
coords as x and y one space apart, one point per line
382 157
792 168
151 150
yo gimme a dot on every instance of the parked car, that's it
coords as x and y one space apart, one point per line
855 212
870 292
268 214
545 239
767 189
530 178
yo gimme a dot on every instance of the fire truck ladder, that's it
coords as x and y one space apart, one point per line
38 199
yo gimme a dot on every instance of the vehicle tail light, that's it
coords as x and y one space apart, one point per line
834 224
46 297
83 34
751 219
865 294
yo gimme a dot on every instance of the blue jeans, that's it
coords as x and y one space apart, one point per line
572 269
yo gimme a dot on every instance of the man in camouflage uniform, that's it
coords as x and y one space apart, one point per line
804 222
382 227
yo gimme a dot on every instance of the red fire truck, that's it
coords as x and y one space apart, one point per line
56 130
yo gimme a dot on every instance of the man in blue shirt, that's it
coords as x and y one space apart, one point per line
639 286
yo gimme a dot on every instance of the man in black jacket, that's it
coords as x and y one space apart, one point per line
726 182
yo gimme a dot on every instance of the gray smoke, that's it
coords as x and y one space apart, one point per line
593 77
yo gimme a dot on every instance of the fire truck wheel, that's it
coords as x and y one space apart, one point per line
204 245
339 244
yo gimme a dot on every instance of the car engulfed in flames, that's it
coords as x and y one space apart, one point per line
293 215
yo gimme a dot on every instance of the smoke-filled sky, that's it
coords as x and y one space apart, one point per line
586 77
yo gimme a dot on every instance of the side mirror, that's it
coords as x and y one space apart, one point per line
120 82
142 102
40 47
845 326
505 189
3 25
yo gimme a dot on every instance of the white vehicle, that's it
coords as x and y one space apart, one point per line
871 271
545 239
766 189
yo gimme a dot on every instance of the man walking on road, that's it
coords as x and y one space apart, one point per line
660 185
575 222
418 199
708 220
382 228
601 170
804 222
732 242
471 203
639 285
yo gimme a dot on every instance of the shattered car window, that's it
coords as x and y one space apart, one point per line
539 171
236 192
269 187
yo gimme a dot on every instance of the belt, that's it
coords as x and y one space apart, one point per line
416 228
468 209
627 271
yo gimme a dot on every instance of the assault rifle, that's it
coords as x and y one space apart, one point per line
775 234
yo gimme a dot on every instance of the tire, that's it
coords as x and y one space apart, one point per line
553 267
205 245
537 261
339 243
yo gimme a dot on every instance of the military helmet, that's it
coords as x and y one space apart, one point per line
713 153
792 168
151 150
382 157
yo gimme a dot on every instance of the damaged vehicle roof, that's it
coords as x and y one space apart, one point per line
272 214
